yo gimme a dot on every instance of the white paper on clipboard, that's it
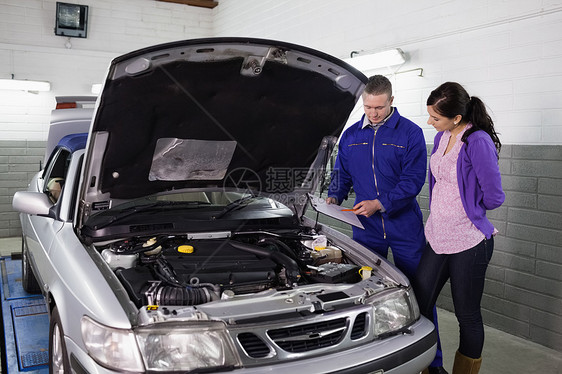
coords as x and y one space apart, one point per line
334 211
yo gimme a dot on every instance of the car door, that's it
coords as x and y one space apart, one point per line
40 231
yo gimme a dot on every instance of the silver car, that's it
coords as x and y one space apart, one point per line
175 233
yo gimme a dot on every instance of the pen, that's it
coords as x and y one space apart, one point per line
348 210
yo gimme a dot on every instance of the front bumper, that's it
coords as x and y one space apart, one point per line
400 354
407 360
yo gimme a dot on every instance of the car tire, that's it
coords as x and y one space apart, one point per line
58 357
28 280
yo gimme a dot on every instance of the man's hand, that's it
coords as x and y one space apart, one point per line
367 207
331 200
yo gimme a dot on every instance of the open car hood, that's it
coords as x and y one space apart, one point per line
221 112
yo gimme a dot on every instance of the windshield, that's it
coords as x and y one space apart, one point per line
188 211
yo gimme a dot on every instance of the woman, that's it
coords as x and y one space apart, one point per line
464 182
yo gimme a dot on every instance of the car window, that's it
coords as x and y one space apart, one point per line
55 174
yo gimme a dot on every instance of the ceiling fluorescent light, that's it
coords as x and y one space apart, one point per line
377 60
24 85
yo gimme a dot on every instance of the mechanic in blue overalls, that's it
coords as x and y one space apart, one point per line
384 158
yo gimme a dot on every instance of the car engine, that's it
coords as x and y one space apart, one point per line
176 270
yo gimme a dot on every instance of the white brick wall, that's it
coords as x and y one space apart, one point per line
507 52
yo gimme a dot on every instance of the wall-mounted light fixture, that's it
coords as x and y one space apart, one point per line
24 85
417 72
370 61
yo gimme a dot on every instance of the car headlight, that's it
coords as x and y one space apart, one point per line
394 311
164 348
187 347
113 348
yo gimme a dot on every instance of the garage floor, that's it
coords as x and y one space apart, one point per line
503 353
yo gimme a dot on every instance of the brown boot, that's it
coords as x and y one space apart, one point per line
466 365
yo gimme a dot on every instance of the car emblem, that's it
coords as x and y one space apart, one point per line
311 335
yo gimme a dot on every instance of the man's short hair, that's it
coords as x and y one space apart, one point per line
378 85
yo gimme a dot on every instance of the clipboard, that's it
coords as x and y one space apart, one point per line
334 211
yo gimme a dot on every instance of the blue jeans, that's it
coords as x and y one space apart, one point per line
466 271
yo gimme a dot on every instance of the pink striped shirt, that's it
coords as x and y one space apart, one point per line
448 229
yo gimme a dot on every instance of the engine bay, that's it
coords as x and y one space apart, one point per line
187 271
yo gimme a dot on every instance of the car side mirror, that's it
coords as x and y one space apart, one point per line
35 203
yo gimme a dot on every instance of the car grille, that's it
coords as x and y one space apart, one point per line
309 337
359 329
301 339
253 345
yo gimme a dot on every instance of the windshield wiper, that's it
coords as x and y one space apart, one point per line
126 212
236 204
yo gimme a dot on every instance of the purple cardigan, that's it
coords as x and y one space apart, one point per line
479 179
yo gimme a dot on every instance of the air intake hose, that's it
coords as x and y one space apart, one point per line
170 295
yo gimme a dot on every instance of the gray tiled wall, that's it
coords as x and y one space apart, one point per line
19 161
523 293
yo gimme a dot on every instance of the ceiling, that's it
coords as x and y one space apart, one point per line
199 3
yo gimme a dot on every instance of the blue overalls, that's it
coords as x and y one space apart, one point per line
388 164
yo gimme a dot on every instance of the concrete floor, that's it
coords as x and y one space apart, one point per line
503 353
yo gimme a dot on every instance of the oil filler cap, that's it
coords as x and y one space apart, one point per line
185 249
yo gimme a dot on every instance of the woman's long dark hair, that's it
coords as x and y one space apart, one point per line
451 99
